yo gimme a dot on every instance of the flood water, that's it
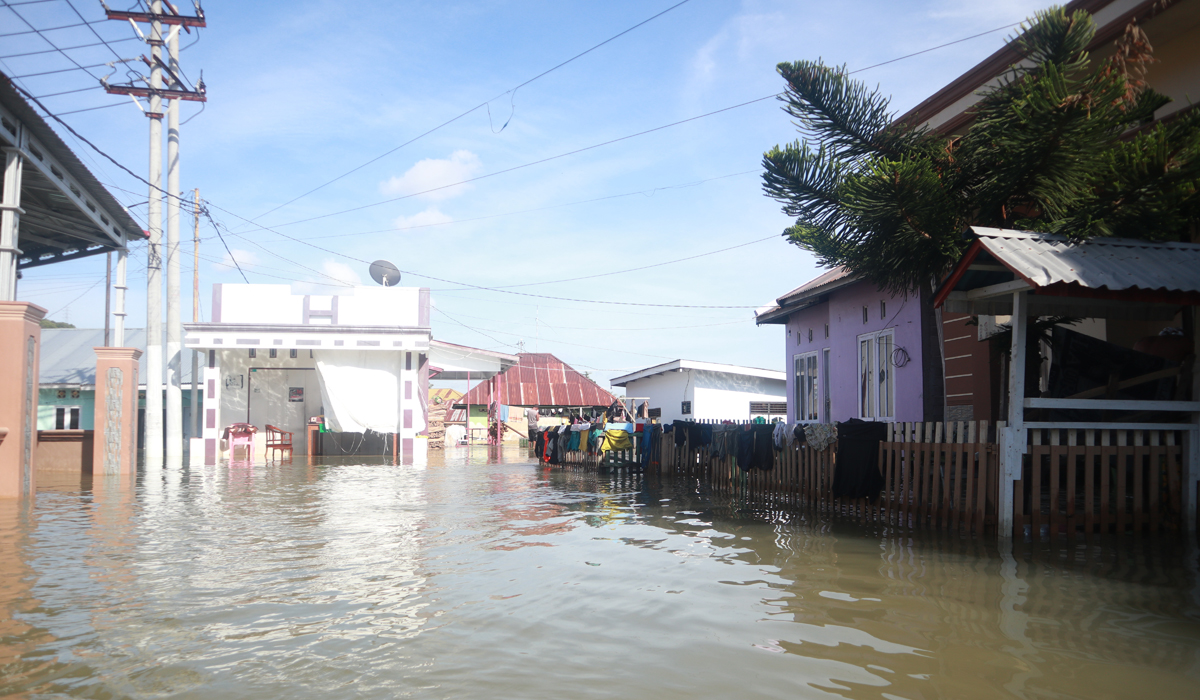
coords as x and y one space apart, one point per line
485 576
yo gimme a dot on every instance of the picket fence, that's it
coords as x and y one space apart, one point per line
946 476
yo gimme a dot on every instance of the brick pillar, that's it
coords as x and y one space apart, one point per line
20 345
115 448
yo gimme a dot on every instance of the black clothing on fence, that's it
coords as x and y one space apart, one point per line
681 433
857 474
539 444
755 447
764 447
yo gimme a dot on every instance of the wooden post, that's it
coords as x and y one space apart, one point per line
1013 441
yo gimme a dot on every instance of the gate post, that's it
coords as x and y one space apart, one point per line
114 449
20 345
1014 440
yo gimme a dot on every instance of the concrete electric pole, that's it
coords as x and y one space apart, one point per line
195 394
154 91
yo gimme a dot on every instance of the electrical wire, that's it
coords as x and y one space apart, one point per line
70 92
94 32
469 111
102 42
52 44
185 204
61 70
227 250
47 29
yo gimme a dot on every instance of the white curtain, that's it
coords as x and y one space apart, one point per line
361 389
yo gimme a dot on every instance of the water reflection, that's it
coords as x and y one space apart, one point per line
482 575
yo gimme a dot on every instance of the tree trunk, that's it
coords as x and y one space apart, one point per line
933 366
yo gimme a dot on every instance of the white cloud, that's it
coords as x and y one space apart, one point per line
246 259
341 272
429 217
431 173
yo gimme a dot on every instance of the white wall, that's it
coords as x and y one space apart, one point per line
358 306
714 395
266 390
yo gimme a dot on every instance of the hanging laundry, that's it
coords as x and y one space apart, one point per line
820 435
780 435
857 474
573 444
616 440
764 447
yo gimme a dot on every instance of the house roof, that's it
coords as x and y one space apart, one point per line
1060 271
541 379
67 358
446 395
948 109
67 212
806 294
679 365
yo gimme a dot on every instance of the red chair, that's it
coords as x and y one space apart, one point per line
278 441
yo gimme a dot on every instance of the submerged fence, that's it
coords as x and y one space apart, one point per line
946 476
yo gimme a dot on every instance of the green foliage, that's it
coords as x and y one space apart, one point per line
1049 150
47 323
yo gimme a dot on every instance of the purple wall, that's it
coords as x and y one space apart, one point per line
844 314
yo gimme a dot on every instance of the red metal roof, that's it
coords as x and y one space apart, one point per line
541 379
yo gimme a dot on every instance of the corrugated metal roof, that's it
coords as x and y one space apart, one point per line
1097 263
541 379
446 395
815 285
67 355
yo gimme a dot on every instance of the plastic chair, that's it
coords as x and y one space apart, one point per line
239 436
278 441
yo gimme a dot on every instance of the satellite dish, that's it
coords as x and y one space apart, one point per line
385 273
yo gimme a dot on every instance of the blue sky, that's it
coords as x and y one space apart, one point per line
302 92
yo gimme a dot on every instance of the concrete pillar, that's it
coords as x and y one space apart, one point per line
1015 438
116 411
212 408
20 345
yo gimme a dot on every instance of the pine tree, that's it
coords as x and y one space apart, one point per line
1059 145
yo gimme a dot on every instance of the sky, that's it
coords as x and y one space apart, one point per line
308 92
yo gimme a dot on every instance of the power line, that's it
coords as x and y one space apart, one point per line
52 44
469 111
69 92
92 109
47 29
102 42
96 33
186 205
61 70
204 210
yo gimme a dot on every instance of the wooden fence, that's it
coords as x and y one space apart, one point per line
1099 482
946 476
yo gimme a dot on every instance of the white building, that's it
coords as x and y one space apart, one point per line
361 359
689 390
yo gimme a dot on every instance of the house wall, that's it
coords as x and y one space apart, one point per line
666 392
844 313
727 396
714 395
48 401
356 306
269 382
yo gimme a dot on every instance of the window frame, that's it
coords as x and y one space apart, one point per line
874 362
816 393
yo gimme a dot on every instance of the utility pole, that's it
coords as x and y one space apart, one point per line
174 359
196 424
154 338
154 91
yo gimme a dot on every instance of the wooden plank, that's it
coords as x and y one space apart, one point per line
1123 456
1058 455
1174 475
1157 460
1108 455
1139 467
1074 454
1090 456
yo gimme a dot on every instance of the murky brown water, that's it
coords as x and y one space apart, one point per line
477 579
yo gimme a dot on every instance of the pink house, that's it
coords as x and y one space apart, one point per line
852 351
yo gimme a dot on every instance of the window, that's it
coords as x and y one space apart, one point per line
810 335
883 309
686 408
806 387
876 386
864 315
826 330
825 384
66 417
253 353
292 353
272 353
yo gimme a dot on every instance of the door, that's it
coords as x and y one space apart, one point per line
279 397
